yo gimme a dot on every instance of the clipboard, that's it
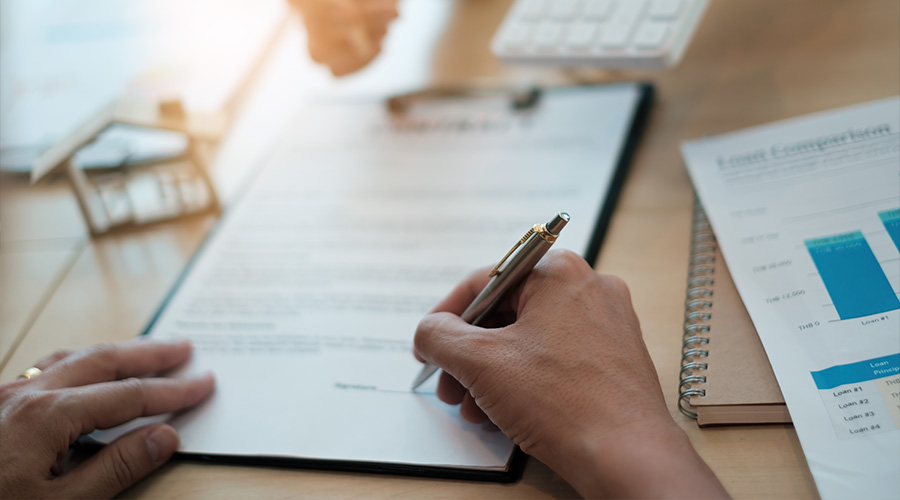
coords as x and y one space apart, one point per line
166 318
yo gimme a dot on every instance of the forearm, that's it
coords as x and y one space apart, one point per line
645 461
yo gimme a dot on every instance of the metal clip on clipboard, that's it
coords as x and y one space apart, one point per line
520 99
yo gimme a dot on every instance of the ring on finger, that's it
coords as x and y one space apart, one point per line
29 373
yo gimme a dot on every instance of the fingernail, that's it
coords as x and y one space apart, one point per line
202 375
176 343
173 342
207 383
161 442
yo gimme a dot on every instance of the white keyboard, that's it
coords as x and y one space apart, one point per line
623 34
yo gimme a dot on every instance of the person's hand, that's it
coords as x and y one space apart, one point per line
346 35
79 392
568 379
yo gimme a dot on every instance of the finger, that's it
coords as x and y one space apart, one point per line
337 51
352 26
342 56
339 36
35 382
345 65
559 270
464 293
503 313
328 49
48 361
346 11
122 463
363 45
330 12
449 390
107 362
470 412
379 16
379 8
108 404
456 346
376 32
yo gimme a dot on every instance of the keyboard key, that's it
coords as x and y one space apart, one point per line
614 33
614 37
597 10
627 15
582 35
517 37
532 10
622 23
665 9
548 35
651 35
628 12
563 10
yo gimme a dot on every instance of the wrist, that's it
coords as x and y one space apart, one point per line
652 458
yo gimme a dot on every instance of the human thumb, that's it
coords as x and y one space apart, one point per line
122 463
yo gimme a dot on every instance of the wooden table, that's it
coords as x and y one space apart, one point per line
751 62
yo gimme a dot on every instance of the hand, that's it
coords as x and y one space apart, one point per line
567 377
346 35
83 391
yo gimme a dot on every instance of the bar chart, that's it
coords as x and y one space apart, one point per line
852 275
891 221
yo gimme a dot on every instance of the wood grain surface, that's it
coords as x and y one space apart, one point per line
751 62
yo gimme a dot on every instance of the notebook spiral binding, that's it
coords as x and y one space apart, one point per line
697 305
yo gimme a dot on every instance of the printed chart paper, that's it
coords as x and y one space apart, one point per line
807 213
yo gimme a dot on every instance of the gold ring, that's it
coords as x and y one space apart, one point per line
29 373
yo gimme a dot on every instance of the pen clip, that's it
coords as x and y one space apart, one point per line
537 228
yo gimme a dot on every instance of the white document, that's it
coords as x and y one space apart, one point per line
305 300
807 214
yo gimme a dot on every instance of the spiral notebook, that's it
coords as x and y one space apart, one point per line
725 377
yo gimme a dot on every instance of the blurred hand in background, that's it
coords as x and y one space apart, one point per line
346 35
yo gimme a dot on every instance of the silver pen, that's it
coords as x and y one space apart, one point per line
534 245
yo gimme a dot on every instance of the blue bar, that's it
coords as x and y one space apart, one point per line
851 273
891 221
854 373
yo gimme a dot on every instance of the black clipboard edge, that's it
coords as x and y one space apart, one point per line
518 458
513 472
638 123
